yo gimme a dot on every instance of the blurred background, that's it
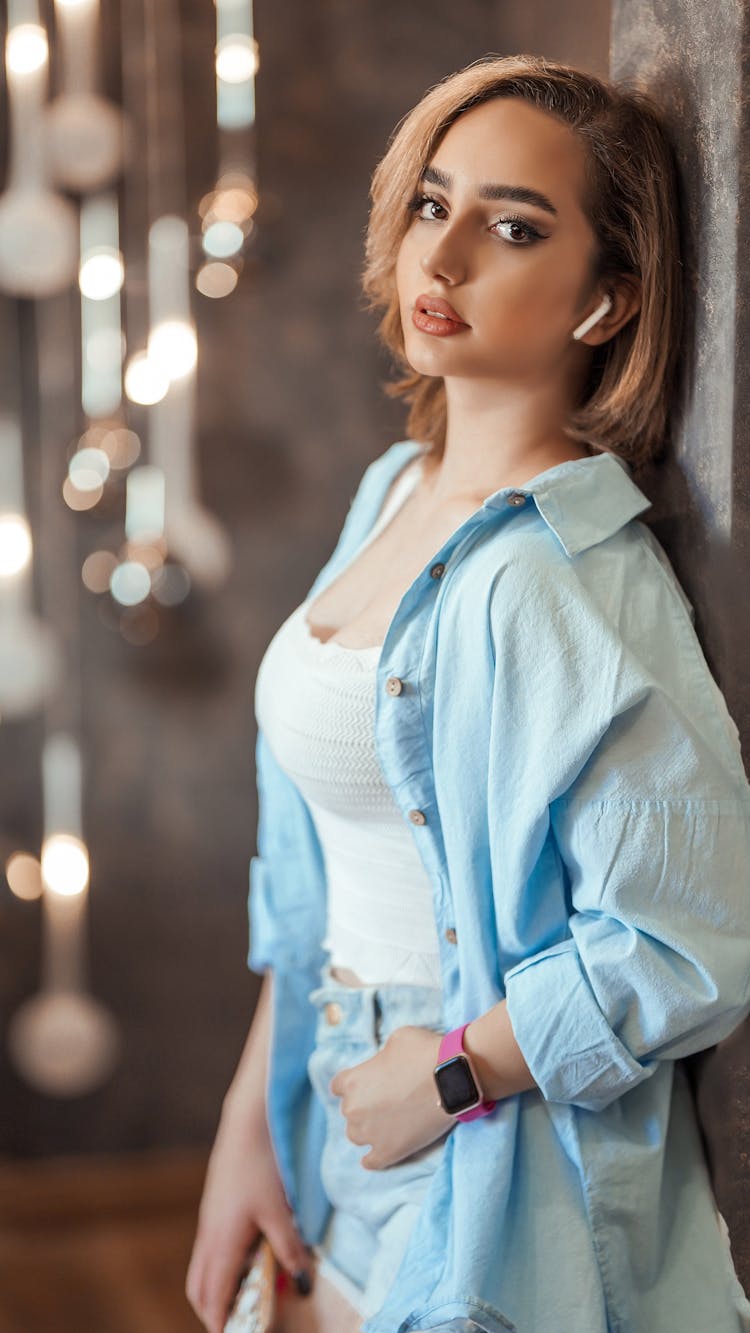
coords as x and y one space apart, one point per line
190 390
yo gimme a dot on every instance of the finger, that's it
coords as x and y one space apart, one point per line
288 1246
217 1288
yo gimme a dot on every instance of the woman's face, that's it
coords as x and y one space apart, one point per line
515 270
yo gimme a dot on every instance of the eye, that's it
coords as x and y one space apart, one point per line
516 224
416 204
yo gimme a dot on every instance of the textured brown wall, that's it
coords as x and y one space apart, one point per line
695 59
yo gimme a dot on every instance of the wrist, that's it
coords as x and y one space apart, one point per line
491 1079
491 1044
461 1091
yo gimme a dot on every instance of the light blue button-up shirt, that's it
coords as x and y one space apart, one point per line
586 830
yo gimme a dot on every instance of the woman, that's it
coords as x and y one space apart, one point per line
504 823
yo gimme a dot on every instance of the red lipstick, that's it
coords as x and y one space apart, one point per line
431 314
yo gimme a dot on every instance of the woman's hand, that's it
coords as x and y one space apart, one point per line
242 1195
390 1101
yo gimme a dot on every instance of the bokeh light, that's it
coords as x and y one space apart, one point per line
140 626
173 348
237 58
145 381
130 583
97 570
101 274
121 446
15 544
80 500
88 469
171 584
222 239
216 279
231 204
26 48
24 876
65 864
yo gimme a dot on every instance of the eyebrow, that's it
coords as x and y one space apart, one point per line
522 194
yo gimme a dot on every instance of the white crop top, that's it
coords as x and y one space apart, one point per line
315 703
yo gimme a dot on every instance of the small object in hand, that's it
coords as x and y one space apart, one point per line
254 1309
302 1282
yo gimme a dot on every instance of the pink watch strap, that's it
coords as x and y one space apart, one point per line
452 1044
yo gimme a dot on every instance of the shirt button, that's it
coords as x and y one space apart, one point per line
436 570
516 498
450 935
417 817
333 1013
393 685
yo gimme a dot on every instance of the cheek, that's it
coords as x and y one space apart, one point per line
530 291
404 266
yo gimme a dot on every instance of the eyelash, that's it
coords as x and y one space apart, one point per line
416 204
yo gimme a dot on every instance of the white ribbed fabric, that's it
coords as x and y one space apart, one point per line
315 702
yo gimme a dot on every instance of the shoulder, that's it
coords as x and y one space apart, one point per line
624 585
386 466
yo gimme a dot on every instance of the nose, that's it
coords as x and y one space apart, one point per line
445 258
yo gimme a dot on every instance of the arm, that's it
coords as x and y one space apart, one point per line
616 744
243 1193
657 964
245 1097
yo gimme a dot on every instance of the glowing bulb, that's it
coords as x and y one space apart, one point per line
65 864
145 382
236 59
101 274
173 347
26 48
15 544
222 239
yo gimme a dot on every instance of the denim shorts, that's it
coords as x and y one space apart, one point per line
373 1211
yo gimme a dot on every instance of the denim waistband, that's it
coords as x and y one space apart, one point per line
372 1012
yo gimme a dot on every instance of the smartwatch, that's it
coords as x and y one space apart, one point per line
457 1083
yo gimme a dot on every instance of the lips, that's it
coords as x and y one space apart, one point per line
436 305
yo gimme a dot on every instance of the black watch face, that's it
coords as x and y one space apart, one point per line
458 1091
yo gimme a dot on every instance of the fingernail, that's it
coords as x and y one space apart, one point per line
302 1282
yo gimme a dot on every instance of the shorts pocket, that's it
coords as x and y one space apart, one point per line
458 1316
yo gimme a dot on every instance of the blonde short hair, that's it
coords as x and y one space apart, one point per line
631 203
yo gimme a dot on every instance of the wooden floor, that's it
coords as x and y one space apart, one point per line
98 1244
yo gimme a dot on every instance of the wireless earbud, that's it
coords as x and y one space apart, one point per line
597 314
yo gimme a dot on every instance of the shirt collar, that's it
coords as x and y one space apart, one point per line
583 500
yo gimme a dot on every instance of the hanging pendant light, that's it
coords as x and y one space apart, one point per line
38 228
85 132
30 664
62 1040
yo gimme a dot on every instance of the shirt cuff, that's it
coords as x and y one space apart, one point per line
565 1039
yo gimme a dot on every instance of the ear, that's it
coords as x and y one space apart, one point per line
625 290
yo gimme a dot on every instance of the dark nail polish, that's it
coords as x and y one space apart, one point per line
302 1282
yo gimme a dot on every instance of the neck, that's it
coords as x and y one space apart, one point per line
494 441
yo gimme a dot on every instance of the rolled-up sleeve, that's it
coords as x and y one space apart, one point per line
657 965
615 750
